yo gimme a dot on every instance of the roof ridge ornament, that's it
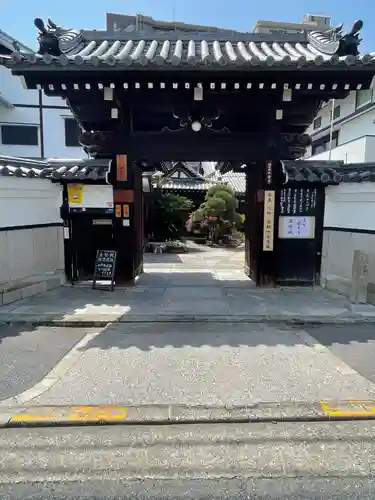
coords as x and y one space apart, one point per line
349 43
56 40
334 42
48 38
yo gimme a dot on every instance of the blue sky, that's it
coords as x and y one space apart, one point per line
17 17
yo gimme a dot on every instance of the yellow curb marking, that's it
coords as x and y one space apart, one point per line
352 408
106 413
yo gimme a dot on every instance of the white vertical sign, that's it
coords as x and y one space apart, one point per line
268 220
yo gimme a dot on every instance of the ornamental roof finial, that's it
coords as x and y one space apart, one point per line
333 41
48 37
349 43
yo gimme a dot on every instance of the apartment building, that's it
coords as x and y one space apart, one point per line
31 124
344 129
309 23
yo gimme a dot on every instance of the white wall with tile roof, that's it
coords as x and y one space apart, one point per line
349 225
25 201
31 236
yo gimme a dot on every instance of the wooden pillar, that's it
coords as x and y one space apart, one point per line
267 261
127 197
253 223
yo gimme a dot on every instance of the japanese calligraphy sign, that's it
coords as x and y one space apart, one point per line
297 201
296 227
268 174
268 220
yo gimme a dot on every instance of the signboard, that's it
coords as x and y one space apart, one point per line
104 271
118 211
296 227
268 220
269 172
75 195
125 211
90 196
298 201
121 168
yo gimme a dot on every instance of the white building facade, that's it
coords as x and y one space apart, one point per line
33 125
351 138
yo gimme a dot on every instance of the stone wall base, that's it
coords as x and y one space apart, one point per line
28 287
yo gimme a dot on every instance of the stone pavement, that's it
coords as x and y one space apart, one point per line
206 284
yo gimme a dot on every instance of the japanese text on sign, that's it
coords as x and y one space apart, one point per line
121 168
296 227
105 266
268 220
297 201
269 172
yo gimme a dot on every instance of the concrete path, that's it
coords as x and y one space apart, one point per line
199 364
203 284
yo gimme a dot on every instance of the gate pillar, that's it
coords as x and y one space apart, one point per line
262 180
126 179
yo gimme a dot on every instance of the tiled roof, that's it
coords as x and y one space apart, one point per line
251 50
187 186
328 172
235 180
68 169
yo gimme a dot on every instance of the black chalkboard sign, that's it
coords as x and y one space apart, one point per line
105 268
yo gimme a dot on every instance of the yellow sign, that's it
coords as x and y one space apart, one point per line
75 194
125 210
118 210
268 220
121 168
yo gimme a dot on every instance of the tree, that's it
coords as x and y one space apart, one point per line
167 215
217 215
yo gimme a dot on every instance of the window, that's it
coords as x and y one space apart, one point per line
336 112
363 97
322 144
317 123
19 135
72 132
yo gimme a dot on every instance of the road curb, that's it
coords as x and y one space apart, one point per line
101 322
36 416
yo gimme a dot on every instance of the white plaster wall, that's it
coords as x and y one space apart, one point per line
29 251
26 202
55 110
352 207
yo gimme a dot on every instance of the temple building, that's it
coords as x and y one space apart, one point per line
146 97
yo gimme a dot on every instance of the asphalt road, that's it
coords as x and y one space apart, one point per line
156 354
284 461
28 353
354 344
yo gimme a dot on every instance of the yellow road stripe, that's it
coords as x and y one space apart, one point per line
353 408
106 413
